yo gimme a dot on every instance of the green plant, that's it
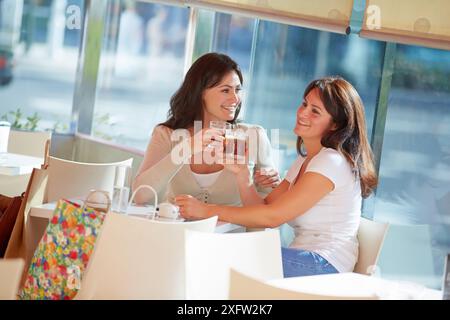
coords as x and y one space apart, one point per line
32 122
17 122
101 121
59 127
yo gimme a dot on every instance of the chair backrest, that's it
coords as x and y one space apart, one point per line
10 274
68 179
30 143
371 236
136 258
244 287
209 258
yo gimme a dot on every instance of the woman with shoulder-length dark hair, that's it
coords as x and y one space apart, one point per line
322 193
210 92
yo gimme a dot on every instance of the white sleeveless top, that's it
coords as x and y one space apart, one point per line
206 180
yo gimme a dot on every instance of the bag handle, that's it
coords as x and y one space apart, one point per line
92 202
145 186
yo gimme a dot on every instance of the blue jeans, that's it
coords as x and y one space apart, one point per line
297 263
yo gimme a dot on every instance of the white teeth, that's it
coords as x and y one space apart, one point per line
229 108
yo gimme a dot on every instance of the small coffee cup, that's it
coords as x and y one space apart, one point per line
168 211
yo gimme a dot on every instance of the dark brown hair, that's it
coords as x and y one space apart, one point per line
349 137
186 105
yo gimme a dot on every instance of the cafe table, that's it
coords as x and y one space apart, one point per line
13 164
350 284
41 214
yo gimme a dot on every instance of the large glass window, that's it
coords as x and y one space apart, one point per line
286 59
141 67
233 36
39 43
414 190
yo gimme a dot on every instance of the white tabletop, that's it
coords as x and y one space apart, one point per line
357 285
12 164
46 211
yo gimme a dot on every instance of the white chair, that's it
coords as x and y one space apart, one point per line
136 258
244 287
30 143
209 258
68 179
371 236
10 275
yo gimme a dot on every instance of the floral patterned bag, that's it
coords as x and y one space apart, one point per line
63 253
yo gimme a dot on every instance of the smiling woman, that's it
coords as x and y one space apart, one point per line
322 193
209 92
223 100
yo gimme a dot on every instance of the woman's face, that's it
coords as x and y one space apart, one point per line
220 102
313 119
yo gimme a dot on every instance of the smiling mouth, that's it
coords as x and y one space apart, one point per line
231 109
303 124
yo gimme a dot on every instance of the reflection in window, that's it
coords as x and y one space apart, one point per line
38 56
141 67
415 165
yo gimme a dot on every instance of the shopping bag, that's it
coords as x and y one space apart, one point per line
57 267
35 194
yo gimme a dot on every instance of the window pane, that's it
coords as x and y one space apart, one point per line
414 190
141 67
38 58
287 58
233 36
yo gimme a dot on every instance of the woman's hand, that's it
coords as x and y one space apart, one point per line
236 164
206 140
191 208
266 177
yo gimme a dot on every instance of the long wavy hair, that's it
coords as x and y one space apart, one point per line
186 105
349 137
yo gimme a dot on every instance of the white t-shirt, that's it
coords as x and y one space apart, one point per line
330 227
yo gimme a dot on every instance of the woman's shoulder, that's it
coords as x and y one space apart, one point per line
162 131
332 157
246 126
160 128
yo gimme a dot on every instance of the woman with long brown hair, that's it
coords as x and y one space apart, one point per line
210 92
322 193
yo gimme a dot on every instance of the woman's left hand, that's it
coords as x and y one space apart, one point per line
191 208
266 178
